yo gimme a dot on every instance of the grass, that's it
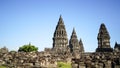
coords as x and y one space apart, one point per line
64 65
2 67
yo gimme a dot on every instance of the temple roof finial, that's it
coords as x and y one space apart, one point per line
60 20
80 40
115 43
74 32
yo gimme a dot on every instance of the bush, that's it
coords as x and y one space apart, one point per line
28 48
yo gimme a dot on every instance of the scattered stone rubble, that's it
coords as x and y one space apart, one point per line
47 59
31 59
97 60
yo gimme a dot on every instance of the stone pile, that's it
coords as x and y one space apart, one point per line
98 60
32 59
27 59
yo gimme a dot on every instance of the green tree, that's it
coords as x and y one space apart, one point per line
28 48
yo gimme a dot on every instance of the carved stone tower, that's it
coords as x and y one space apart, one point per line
73 43
81 46
103 40
117 47
60 40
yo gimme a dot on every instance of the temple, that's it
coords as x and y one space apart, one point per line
60 40
74 43
117 47
81 46
103 40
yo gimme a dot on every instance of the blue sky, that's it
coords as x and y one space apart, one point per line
24 21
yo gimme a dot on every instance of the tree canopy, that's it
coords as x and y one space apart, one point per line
28 48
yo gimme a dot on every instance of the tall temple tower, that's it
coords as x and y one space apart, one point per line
74 43
60 40
103 40
81 46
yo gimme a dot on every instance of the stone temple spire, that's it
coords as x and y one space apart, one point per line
81 46
73 34
117 47
60 40
73 43
60 20
103 40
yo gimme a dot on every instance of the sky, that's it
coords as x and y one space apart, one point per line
34 21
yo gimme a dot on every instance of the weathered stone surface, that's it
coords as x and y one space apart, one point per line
103 40
117 47
60 40
4 50
74 43
32 59
94 60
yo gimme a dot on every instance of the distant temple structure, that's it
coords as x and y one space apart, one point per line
103 40
60 40
117 47
74 44
62 45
